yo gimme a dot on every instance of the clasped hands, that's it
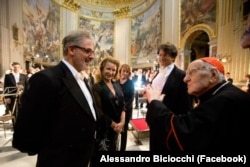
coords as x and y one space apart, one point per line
119 127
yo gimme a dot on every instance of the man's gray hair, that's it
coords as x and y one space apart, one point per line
75 38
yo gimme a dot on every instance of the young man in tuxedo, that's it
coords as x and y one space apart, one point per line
169 81
13 82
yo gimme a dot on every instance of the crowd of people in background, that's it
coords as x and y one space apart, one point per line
12 84
192 110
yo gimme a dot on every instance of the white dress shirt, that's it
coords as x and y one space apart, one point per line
79 78
16 76
161 78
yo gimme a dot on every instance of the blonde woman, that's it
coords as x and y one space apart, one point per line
128 90
110 104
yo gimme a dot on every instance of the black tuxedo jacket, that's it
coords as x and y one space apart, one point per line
176 95
176 100
9 81
55 120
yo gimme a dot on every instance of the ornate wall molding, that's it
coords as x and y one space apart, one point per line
71 4
196 29
106 10
122 12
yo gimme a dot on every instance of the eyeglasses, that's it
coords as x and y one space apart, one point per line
86 50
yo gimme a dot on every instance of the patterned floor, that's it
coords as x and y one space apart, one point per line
10 157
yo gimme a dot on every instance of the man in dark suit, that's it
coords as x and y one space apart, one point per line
13 82
58 118
140 81
169 81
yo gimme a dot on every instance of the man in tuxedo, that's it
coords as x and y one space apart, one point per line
13 82
140 81
169 81
58 118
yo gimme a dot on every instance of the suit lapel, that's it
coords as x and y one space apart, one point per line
12 77
76 92
94 103
155 75
170 80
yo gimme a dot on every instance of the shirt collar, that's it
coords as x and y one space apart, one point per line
167 69
74 72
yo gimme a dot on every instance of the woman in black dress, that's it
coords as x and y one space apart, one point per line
110 105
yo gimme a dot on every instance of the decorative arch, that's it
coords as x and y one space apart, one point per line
189 37
194 32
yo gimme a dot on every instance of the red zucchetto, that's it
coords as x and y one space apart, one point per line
215 62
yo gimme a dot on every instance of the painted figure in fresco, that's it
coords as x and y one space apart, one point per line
245 39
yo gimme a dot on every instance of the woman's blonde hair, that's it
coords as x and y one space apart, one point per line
126 67
103 63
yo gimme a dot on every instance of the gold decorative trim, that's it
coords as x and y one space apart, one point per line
108 2
68 4
122 12
106 9
72 5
